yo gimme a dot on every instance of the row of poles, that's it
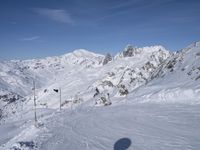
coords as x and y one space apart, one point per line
34 99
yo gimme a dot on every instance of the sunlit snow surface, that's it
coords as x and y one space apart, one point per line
161 111
147 126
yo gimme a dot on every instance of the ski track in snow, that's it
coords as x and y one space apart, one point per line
148 127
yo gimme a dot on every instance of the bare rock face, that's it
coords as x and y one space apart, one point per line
130 51
184 63
123 90
107 59
10 98
132 68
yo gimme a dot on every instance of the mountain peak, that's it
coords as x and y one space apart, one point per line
83 53
194 44
130 51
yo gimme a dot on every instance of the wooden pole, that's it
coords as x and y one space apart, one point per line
60 98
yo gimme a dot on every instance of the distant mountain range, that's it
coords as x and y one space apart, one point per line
148 74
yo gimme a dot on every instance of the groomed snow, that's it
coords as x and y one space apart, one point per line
147 126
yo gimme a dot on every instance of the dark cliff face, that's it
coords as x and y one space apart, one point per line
130 51
107 59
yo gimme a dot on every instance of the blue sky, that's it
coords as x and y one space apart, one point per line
39 28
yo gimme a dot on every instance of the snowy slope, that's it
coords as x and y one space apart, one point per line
141 127
17 75
16 78
149 74
176 80
80 82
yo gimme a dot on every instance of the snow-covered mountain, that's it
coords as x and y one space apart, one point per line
147 74
154 70
176 80
17 76
81 72
131 68
133 76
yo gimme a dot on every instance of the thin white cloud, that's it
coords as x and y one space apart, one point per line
59 15
30 38
132 5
